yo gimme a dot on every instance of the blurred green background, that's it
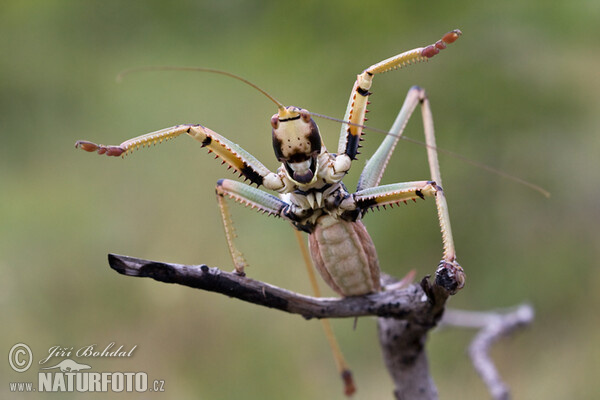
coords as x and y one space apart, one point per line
519 91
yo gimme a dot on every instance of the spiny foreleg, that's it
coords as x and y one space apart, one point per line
396 193
356 110
230 153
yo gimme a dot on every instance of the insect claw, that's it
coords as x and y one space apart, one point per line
114 151
450 276
349 386
101 149
451 36
85 145
430 51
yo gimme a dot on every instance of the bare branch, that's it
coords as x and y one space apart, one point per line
403 346
493 325
407 313
406 303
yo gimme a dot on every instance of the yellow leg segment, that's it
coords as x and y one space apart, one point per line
238 259
342 366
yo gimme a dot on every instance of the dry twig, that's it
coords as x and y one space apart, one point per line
493 326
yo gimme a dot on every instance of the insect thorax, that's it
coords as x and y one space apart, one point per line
309 204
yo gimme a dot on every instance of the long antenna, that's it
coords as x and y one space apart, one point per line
199 69
460 157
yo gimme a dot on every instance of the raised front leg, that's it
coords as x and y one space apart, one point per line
232 154
357 105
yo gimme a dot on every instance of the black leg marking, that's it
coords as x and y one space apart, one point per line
352 143
249 173
206 141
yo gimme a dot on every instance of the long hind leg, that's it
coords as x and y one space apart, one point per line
373 172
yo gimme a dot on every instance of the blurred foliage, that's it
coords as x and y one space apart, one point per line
519 91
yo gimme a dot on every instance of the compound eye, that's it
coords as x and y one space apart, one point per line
305 115
275 121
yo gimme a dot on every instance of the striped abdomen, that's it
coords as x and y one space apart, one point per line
345 256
